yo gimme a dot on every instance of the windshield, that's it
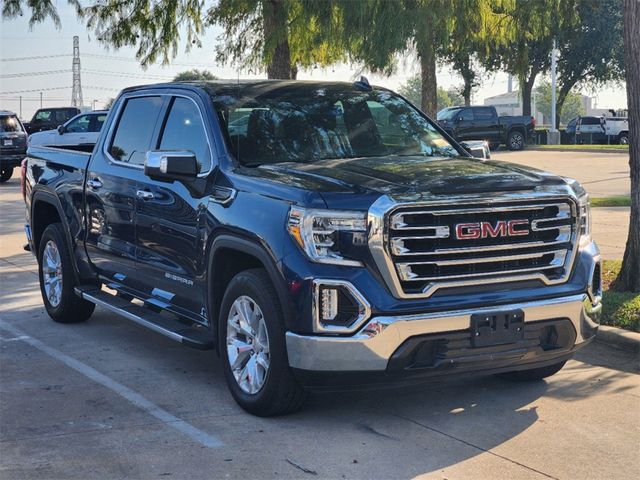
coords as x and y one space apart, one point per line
448 113
270 123
10 123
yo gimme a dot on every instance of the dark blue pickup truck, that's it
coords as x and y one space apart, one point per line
317 235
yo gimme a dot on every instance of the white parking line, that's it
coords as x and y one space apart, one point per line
125 392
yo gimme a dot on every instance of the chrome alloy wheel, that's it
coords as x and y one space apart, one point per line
248 344
52 273
517 140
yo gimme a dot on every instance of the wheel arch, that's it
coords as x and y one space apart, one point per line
229 255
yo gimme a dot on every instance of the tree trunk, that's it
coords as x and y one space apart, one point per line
525 91
562 96
429 83
274 24
629 277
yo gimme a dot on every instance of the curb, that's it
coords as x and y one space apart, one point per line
582 150
619 338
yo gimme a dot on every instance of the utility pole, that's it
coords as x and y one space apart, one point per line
76 92
20 106
553 136
40 99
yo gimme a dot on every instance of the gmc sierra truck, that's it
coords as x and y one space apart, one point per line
483 123
341 240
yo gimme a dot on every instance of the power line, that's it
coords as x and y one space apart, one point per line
60 88
129 75
129 59
38 57
34 74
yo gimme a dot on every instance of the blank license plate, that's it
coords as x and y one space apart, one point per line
8 142
497 328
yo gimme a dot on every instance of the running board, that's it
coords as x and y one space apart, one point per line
196 337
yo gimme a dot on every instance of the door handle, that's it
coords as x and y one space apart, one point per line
145 195
95 183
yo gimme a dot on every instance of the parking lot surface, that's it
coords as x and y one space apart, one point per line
109 399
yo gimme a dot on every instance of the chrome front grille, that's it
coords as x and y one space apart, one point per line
450 246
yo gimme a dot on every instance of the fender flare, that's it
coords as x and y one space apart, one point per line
43 196
253 248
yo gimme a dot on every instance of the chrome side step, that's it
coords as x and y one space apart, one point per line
195 336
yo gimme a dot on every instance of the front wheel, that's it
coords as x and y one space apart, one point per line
515 140
57 280
533 374
6 174
252 346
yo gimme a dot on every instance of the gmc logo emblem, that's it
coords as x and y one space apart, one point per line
502 228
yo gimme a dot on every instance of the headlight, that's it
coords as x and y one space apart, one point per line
320 232
584 216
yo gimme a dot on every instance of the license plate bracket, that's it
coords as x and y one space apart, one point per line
497 328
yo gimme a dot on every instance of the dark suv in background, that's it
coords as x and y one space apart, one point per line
51 118
13 144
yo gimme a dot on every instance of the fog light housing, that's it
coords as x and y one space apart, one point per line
338 307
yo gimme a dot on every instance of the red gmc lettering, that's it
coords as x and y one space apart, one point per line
467 231
502 228
512 227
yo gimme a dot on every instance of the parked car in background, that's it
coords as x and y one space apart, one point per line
570 130
79 133
13 144
50 118
590 129
617 130
483 123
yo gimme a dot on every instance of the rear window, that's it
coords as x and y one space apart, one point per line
590 121
10 123
135 128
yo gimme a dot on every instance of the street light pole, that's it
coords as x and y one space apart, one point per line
553 87
40 99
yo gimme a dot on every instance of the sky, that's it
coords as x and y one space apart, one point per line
106 71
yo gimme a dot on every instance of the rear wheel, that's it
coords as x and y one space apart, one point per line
533 374
515 140
252 347
57 280
6 174
623 138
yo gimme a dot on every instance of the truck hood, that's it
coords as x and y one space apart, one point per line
409 176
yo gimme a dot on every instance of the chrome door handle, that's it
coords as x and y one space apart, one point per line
145 195
95 183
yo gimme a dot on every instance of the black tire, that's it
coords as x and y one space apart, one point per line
6 174
623 138
280 393
70 308
534 374
515 140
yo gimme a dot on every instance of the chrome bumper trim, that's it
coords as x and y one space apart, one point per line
372 347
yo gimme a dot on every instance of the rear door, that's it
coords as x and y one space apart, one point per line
487 126
75 132
465 125
111 184
169 237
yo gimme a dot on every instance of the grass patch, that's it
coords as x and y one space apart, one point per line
617 201
619 309
622 148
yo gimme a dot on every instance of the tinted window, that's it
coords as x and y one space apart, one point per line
590 120
184 131
79 125
135 128
42 116
483 113
304 123
10 123
467 115
98 121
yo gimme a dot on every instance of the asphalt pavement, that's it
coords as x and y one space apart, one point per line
109 399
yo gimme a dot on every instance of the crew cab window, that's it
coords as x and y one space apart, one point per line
43 116
467 115
97 123
79 125
184 130
134 130
483 113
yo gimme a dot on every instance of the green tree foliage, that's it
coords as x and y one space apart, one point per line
591 54
194 74
573 106
526 33
412 91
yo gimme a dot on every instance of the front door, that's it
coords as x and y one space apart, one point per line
111 186
169 238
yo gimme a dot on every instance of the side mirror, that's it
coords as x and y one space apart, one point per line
171 165
477 149
61 129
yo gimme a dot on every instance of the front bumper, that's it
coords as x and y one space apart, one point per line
373 347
